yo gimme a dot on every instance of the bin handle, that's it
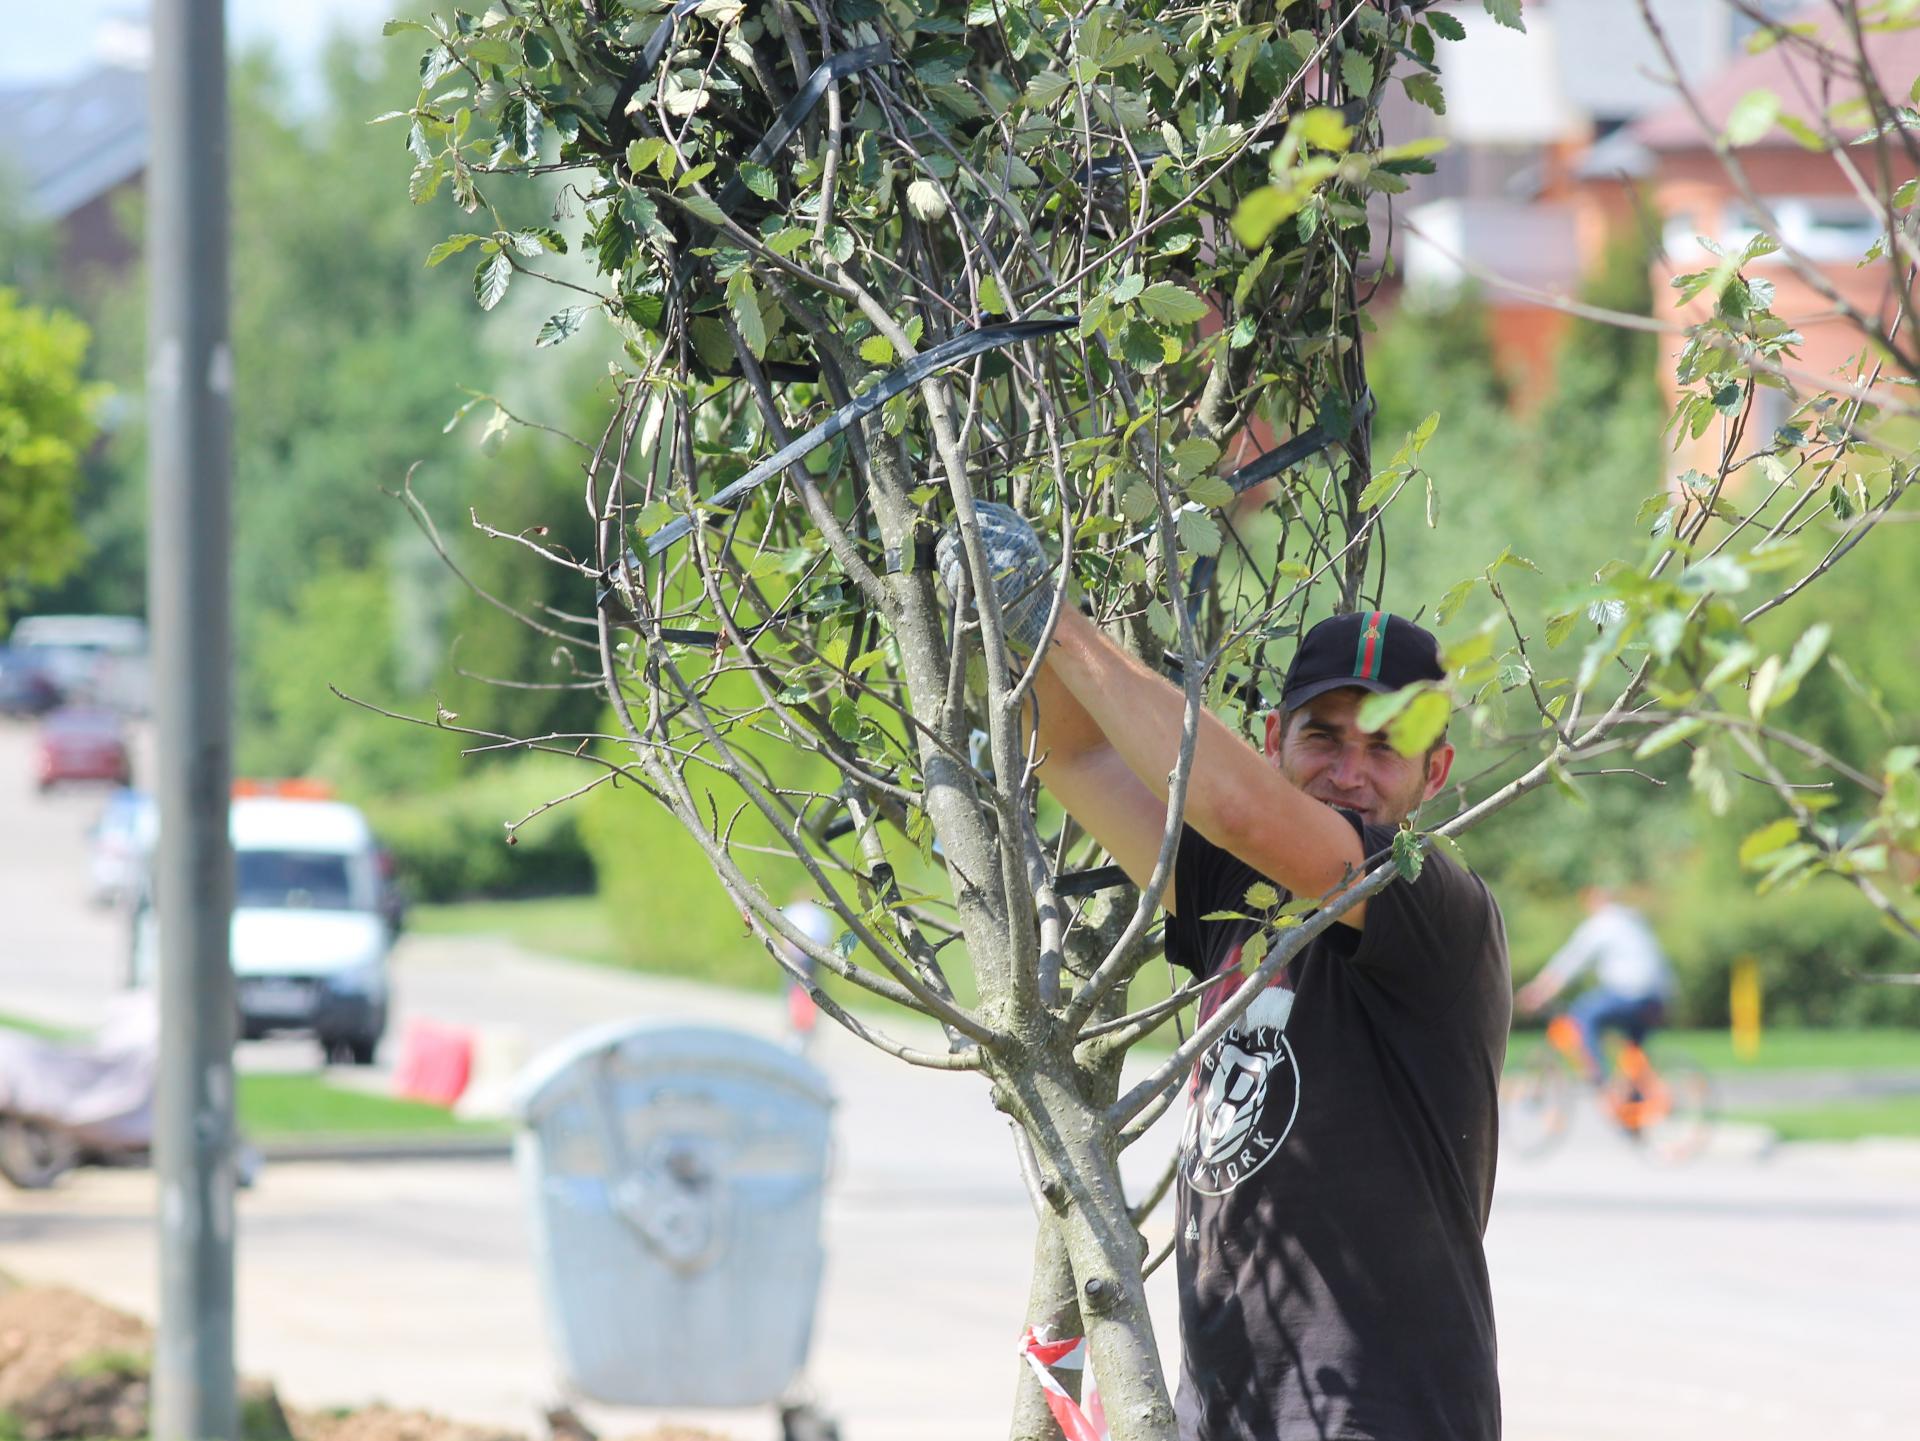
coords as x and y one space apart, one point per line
670 1200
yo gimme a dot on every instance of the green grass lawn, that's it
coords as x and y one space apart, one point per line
41 1029
1884 1049
574 927
1841 1120
276 1107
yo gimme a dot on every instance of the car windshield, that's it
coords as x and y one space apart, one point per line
314 880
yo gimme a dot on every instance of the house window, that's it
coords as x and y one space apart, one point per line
1824 228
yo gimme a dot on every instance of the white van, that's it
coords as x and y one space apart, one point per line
97 658
310 934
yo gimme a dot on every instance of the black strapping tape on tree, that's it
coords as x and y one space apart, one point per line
847 62
952 351
618 126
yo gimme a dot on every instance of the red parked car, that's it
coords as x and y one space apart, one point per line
79 744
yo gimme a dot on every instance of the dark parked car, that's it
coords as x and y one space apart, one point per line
82 745
27 686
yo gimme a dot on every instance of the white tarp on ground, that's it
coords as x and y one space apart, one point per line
100 1089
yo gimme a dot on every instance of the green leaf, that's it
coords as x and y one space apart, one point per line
1806 652
1356 70
491 279
1451 602
1160 622
1804 135
1137 501
845 718
1377 712
1508 558
1446 26
1752 116
1128 287
1765 681
1260 213
1262 897
745 302
642 153
760 180
1325 130
877 350
1768 839
1210 490
1506 12
1408 854
561 325
653 516
926 200
1381 486
1668 736
1199 533
789 241
1423 722
710 343
1193 455
1424 89
991 300
1172 304
452 245
1738 658
701 208
520 126
1141 345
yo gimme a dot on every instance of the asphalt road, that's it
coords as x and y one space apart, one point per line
1741 1298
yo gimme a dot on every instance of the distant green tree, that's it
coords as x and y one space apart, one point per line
46 424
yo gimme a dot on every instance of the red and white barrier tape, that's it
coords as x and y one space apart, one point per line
1085 1420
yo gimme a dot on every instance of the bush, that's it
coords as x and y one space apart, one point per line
1811 945
451 844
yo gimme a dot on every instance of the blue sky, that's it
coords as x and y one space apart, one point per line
47 41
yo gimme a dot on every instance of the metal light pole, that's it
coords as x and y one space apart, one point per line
189 385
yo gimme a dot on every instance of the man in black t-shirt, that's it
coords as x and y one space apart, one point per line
1338 1160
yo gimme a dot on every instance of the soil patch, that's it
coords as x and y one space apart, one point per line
71 1367
45 1331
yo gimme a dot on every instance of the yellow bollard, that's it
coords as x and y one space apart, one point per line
1743 1004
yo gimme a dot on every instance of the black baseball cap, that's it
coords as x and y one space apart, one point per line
1371 649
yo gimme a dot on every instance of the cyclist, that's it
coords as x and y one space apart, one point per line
1632 980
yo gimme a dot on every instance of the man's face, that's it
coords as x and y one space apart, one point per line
1324 752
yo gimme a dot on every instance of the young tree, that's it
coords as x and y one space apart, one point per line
873 262
46 423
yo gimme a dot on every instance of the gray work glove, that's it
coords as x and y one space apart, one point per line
1022 575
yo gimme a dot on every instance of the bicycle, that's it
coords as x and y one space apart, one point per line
1666 1108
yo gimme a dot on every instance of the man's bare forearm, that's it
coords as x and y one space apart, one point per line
1141 715
1236 798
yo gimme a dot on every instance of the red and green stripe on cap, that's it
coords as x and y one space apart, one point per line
1371 647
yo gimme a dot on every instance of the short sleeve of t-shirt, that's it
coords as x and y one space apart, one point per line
1426 935
1422 936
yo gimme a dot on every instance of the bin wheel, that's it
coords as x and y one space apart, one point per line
804 1423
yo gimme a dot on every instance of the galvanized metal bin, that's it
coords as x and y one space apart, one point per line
676 1175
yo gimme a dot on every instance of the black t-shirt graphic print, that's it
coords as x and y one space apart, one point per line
1337 1166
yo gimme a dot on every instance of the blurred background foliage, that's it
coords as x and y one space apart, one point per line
353 355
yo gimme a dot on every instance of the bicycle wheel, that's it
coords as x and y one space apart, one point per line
1677 1109
1536 1103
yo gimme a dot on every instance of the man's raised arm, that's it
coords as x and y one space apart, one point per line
1236 798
